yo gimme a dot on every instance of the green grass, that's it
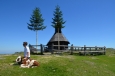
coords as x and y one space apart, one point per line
61 65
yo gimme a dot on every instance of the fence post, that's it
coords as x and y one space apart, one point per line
90 48
104 50
84 49
95 48
52 48
81 48
41 49
71 49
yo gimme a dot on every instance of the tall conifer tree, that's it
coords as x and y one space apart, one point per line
58 19
36 22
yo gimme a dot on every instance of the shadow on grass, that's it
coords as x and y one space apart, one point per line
14 63
36 54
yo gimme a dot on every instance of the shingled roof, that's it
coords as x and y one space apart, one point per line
61 38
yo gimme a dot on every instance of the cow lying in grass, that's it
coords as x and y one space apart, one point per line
26 63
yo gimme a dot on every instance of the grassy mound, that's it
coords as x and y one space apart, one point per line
61 65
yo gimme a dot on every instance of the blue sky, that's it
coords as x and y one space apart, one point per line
88 22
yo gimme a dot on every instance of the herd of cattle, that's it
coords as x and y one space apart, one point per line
26 63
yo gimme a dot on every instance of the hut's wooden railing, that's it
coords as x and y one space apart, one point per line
82 50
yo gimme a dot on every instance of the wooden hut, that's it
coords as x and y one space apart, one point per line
54 40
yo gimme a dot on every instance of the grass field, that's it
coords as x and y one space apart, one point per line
62 65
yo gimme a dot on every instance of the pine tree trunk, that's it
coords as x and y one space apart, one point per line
36 38
58 40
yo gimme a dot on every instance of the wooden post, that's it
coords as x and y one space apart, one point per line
95 48
52 49
96 53
90 48
71 49
41 49
84 49
64 48
104 50
81 48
